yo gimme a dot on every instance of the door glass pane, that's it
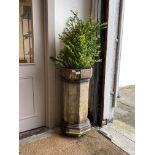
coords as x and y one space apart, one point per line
26 52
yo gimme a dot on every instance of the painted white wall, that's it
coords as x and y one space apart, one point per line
128 63
62 13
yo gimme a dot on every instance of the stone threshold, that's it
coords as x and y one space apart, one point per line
37 134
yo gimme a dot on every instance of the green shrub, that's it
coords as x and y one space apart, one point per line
81 43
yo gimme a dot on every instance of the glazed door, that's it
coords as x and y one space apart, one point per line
31 65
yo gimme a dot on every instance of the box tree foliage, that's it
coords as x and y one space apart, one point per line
82 44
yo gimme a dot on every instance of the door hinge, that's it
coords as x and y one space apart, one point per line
113 98
116 40
104 122
112 93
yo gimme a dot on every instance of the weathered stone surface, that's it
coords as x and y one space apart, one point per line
76 74
75 100
83 101
77 129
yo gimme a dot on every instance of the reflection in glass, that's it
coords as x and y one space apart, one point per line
26 54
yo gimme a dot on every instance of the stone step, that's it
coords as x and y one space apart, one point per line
123 140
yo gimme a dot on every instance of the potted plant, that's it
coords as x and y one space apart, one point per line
81 51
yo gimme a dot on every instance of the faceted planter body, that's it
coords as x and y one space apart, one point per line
75 100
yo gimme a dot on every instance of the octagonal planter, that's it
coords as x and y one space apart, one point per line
75 100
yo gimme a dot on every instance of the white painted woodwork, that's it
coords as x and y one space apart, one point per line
26 93
113 20
31 78
50 82
118 51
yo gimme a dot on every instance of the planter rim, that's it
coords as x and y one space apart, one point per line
75 74
75 68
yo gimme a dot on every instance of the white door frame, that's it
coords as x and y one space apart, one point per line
118 52
49 66
112 65
53 112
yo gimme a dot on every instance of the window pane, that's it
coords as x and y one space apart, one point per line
26 52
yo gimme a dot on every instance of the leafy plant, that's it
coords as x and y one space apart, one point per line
81 43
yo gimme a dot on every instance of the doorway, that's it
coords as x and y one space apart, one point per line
118 119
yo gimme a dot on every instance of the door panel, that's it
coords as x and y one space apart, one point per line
31 72
26 93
